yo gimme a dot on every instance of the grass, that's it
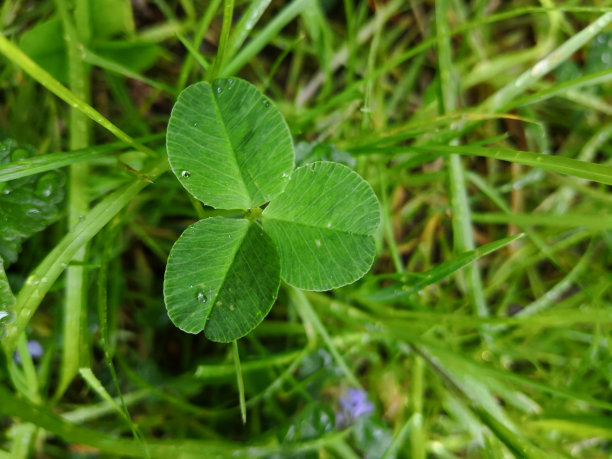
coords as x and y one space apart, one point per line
483 329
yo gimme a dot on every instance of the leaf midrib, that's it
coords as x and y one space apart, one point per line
224 280
229 141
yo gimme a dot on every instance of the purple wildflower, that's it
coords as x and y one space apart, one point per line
34 348
353 405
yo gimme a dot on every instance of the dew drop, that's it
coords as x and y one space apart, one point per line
32 211
32 280
6 191
46 185
219 90
185 174
318 243
19 155
285 175
266 104
230 81
329 224
202 298
195 124
3 314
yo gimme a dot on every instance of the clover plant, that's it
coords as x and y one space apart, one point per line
312 226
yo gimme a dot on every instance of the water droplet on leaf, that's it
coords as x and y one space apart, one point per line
266 104
202 298
33 211
46 185
318 243
185 174
19 154
195 124
219 90
32 280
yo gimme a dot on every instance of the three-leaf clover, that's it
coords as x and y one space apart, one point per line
312 226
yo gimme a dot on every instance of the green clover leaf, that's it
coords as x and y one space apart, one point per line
231 149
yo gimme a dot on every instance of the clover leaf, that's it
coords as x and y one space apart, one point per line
313 226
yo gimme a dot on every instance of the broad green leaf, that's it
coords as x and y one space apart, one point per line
44 43
110 18
7 299
312 422
599 53
228 145
27 205
222 277
323 226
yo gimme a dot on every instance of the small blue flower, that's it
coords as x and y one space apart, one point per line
34 348
353 405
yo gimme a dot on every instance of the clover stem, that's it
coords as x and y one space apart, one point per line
239 380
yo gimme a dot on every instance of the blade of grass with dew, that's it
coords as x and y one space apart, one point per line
441 271
193 52
309 316
600 173
263 37
502 99
569 220
217 65
44 275
203 26
92 58
49 161
97 410
461 220
482 403
246 24
22 440
95 384
74 343
561 288
39 74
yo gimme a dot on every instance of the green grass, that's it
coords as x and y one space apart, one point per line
484 327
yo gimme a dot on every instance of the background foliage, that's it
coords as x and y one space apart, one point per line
472 121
